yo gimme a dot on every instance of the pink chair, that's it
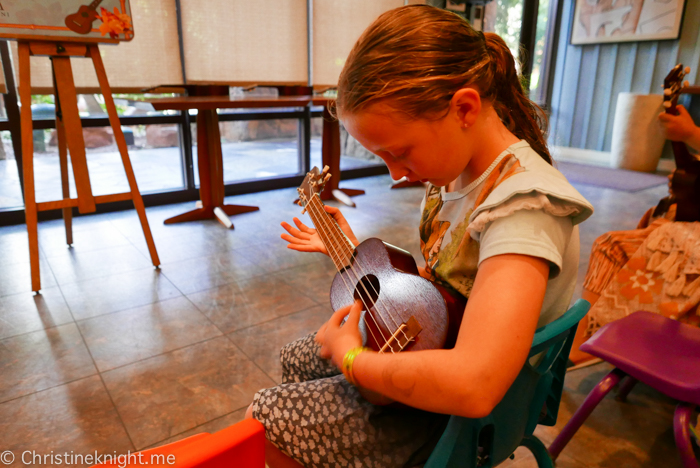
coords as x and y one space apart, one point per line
646 347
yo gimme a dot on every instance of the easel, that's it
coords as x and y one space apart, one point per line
70 136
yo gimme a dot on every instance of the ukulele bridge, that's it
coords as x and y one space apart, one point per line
403 336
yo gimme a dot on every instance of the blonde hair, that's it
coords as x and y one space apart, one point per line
418 56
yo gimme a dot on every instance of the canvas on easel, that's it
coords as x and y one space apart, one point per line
66 20
61 30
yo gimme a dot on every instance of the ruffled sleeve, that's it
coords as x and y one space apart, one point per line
529 201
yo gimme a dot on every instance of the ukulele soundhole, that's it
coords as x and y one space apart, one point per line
367 290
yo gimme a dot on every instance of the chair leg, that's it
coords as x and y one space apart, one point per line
540 452
581 414
625 388
681 431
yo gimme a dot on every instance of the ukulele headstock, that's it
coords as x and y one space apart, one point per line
313 184
673 84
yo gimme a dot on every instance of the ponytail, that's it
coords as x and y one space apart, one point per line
419 56
519 114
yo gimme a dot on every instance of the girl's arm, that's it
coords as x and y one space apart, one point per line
493 343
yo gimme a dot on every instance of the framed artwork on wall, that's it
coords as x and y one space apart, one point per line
601 21
66 20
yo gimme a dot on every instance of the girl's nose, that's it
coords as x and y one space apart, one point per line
396 171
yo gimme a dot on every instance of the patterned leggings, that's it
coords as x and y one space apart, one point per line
319 419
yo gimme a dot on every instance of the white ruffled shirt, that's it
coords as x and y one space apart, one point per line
533 212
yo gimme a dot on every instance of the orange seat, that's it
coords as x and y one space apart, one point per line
241 445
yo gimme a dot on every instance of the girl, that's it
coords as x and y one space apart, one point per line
441 103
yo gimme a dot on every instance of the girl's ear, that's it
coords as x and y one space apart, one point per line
465 106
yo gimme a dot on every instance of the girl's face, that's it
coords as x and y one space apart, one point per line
427 150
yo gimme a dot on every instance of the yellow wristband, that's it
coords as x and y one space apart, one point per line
348 359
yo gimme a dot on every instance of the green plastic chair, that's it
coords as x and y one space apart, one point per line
532 399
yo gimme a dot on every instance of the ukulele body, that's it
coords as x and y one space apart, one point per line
387 279
81 22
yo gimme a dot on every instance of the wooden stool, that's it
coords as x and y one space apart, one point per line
70 136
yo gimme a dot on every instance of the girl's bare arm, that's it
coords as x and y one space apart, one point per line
494 341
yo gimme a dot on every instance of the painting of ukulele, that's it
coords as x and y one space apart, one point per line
685 182
81 21
404 311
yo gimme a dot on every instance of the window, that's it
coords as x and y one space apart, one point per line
506 18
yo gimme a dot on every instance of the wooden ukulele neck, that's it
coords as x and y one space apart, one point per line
339 247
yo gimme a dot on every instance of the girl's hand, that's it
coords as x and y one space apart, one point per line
306 239
678 127
337 340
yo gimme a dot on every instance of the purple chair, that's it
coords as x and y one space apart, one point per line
662 353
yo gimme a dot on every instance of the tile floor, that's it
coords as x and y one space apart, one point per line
114 355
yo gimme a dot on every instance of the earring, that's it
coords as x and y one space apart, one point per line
466 125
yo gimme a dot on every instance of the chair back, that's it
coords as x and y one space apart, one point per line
241 445
532 399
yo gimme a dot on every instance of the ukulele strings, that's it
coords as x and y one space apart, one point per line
378 302
367 307
387 309
329 229
337 264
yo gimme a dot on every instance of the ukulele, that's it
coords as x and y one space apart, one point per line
685 182
403 311
81 22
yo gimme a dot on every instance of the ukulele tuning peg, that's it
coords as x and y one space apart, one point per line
667 105
686 70
686 84
326 178
667 92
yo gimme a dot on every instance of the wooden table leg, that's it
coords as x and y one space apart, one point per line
330 156
211 175
30 208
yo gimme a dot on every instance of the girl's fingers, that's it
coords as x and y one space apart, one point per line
355 314
338 316
303 227
294 232
335 212
320 334
302 248
293 239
